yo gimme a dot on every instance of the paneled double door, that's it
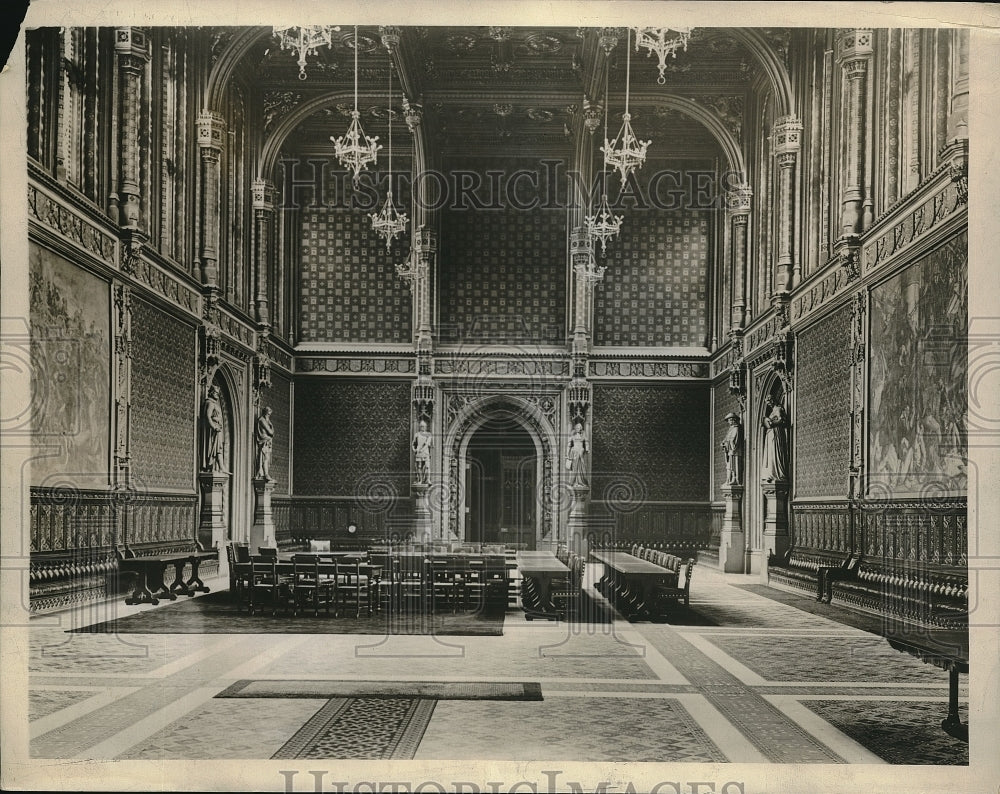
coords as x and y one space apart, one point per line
501 498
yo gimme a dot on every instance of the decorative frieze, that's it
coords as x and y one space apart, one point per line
819 293
916 223
649 369
367 365
165 284
72 225
502 367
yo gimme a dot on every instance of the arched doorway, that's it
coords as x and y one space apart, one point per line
502 469
517 430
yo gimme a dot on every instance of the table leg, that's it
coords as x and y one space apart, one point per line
161 589
194 584
952 724
141 594
178 587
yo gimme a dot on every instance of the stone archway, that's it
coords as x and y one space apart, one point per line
462 425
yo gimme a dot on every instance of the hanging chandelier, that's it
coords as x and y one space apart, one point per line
304 40
625 152
603 224
388 222
664 42
354 149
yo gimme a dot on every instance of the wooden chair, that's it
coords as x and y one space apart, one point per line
266 586
474 583
446 583
682 591
414 583
309 586
354 583
268 552
386 587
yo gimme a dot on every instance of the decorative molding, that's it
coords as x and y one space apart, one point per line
906 225
70 223
648 369
530 366
818 292
166 285
360 365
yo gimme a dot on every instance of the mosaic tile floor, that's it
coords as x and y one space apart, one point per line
751 680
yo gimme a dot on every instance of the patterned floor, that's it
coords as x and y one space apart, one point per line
748 680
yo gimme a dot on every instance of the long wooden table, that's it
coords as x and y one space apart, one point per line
150 585
541 567
630 583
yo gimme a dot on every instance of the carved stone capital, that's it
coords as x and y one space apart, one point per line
854 44
211 130
425 242
786 135
132 47
581 246
262 191
592 114
739 199
848 250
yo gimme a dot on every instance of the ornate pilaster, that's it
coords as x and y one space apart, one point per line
738 202
132 53
787 141
854 53
211 142
123 386
858 344
263 220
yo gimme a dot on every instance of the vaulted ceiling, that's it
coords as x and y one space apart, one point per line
507 92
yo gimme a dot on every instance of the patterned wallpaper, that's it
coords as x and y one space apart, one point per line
279 398
724 403
503 276
351 438
349 290
655 292
164 416
822 434
652 440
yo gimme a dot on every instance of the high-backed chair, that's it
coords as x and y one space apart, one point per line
310 585
354 586
267 588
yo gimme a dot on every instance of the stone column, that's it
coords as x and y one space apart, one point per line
262 531
738 201
854 52
263 218
211 141
732 544
131 48
787 138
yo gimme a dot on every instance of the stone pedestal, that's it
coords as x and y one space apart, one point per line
776 540
262 531
732 541
212 523
576 526
422 512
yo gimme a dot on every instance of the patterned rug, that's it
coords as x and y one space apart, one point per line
437 690
892 728
216 613
369 728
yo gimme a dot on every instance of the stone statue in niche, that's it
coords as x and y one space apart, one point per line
576 456
212 433
264 438
774 456
732 445
422 452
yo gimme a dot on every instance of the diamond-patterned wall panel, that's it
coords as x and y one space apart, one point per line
655 291
278 397
164 413
503 276
352 439
652 439
724 403
822 451
348 287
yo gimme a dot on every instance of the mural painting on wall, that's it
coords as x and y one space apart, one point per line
917 437
70 365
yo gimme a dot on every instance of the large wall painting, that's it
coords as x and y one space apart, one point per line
70 376
919 331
